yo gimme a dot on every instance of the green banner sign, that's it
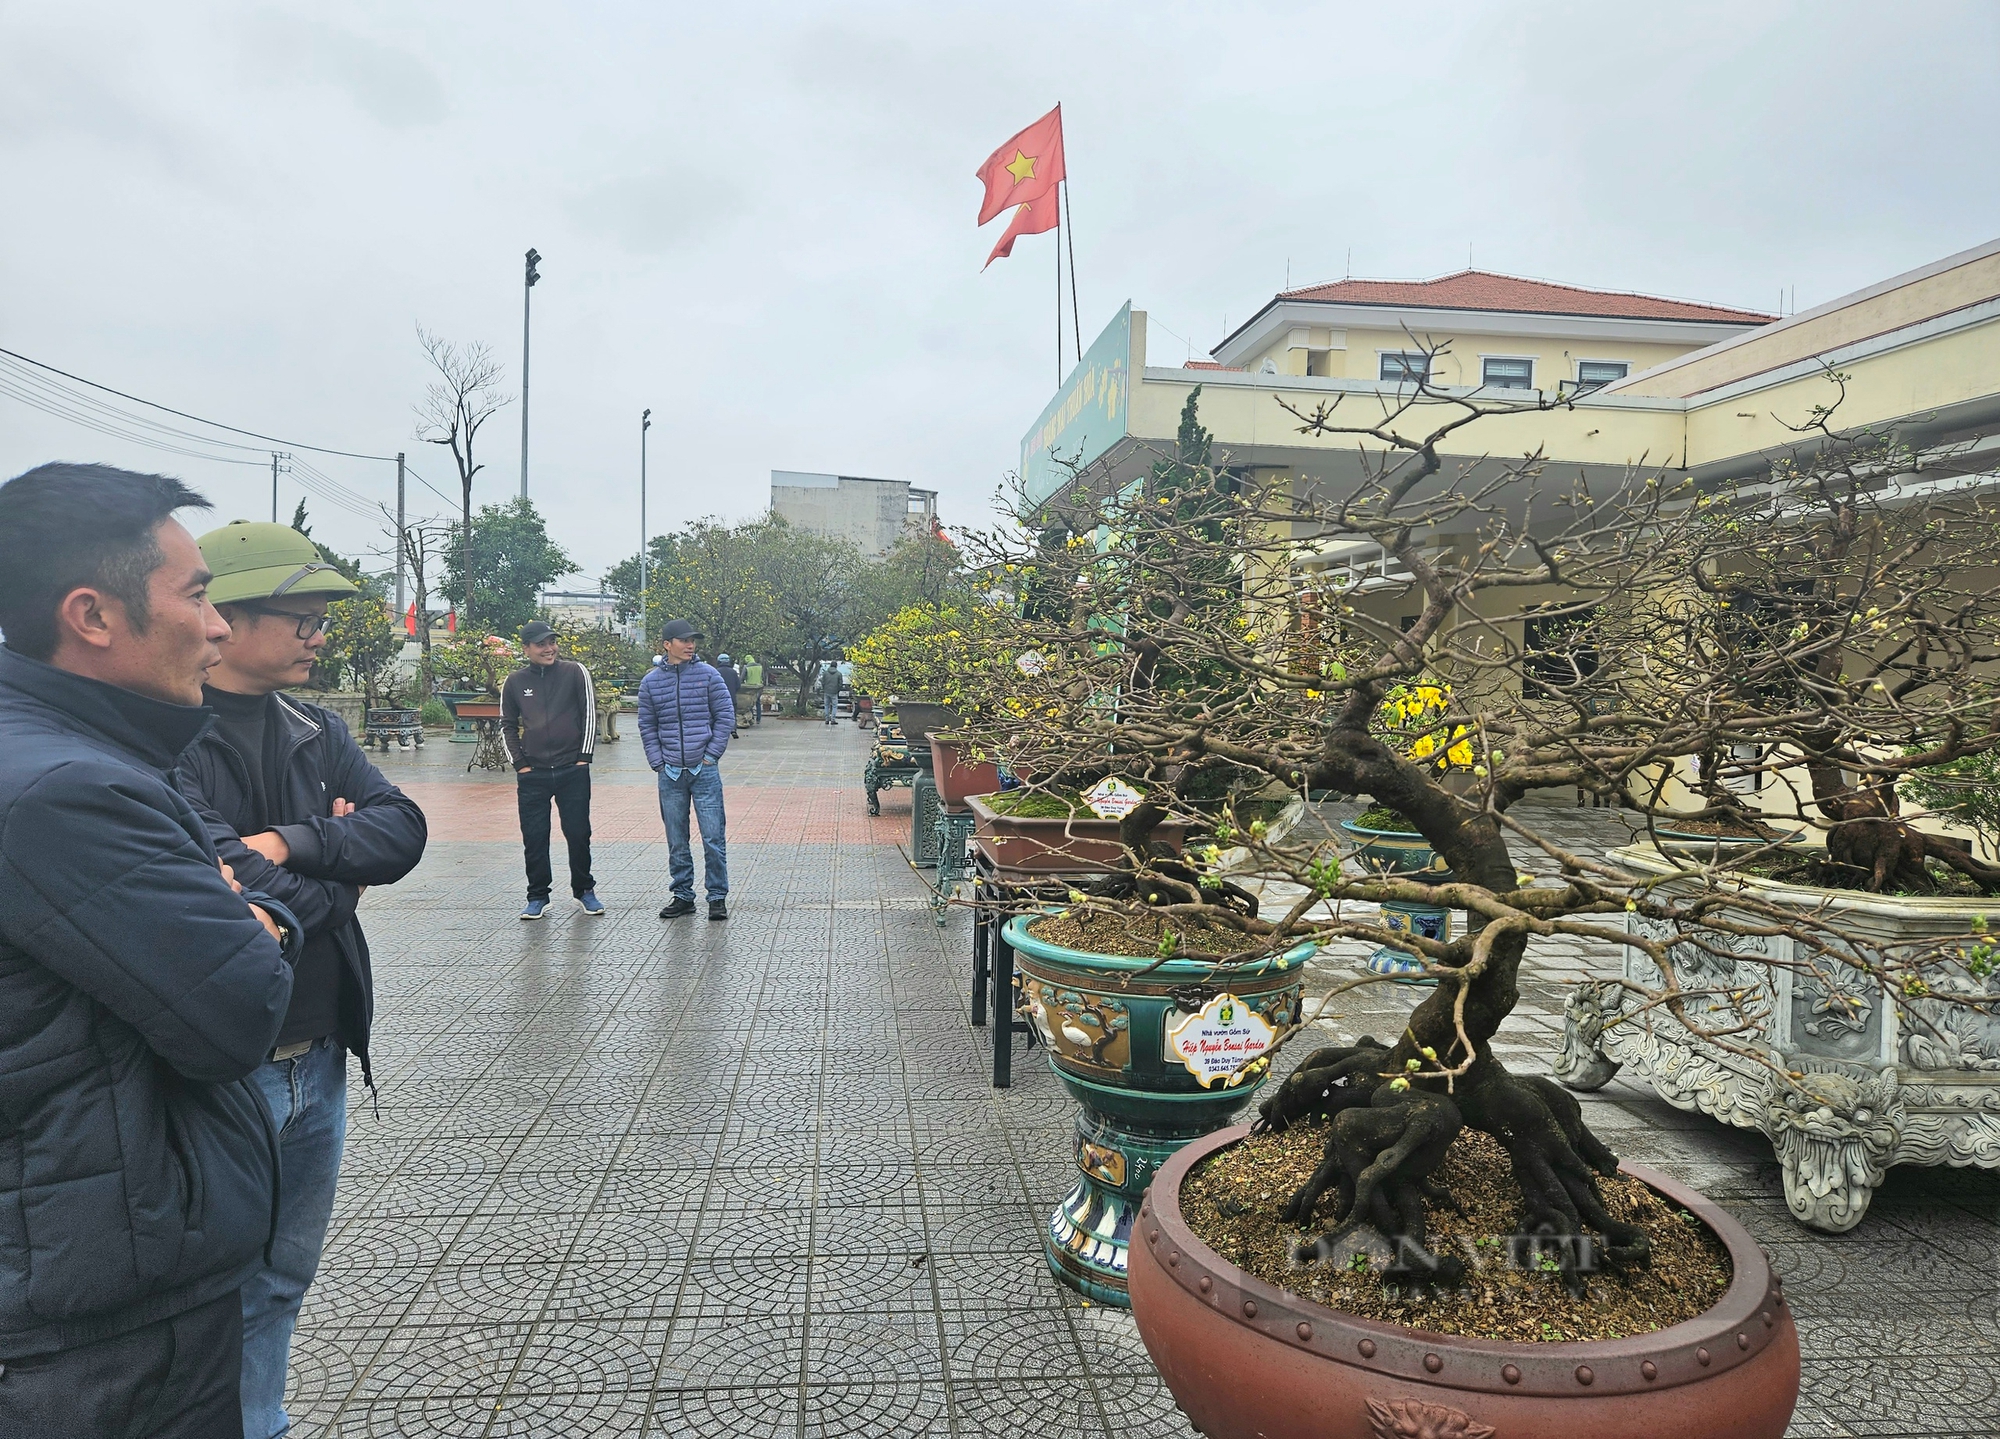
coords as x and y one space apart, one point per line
1087 416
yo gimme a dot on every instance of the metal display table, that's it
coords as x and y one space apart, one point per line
925 807
951 832
998 894
889 767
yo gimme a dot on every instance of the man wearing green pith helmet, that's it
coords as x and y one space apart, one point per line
296 809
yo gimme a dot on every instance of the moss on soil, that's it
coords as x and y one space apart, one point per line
1231 1201
1038 804
1382 817
1137 935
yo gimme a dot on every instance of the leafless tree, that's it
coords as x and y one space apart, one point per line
464 397
1819 631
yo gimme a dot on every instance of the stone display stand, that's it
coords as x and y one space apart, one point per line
1883 1081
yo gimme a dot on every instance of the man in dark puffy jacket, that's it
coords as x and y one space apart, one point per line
297 811
685 716
138 990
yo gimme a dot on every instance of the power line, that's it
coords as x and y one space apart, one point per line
213 424
31 389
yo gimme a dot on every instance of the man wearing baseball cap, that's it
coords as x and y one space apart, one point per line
685 716
297 811
548 714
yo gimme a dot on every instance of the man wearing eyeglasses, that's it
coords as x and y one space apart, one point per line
295 808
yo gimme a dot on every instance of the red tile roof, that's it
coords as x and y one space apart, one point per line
1484 290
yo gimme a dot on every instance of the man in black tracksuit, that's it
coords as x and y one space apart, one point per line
548 713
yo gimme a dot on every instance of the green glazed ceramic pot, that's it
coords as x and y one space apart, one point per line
1127 1036
1404 852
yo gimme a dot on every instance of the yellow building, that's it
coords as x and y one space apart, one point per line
1710 397
1508 333
1920 350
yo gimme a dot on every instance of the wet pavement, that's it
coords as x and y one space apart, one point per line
679 1178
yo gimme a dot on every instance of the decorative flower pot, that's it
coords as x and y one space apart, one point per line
1110 1024
1247 1360
1913 1081
1082 843
959 777
1401 852
919 717
462 729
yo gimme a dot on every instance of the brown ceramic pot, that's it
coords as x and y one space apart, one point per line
1080 844
1247 1360
959 777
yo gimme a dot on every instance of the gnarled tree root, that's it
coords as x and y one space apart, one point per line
1387 1143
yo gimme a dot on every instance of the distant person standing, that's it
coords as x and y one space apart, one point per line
829 689
733 682
684 721
548 714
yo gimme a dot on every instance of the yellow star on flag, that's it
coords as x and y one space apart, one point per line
1021 167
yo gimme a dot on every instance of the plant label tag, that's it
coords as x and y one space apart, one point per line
1112 799
1030 662
1220 1040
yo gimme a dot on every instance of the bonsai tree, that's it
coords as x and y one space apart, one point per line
1446 637
948 654
471 663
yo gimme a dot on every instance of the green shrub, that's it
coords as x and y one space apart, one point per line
435 714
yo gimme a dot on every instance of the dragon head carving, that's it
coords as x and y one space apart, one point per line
1834 1129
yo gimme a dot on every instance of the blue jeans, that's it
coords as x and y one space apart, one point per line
308 1099
701 788
832 702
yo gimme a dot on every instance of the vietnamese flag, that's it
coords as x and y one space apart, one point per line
410 619
1039 214
1023 170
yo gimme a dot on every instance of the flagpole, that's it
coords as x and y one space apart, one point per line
1069 218
1059 368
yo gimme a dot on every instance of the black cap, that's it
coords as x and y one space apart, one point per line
681 630
535 631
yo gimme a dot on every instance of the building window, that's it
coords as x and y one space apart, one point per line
1405 368
1557 653
1590 374
1500 374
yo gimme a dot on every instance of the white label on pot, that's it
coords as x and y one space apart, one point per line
1112 799
1029 662
1220 1040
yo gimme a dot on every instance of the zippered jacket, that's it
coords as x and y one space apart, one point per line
685 715
331 858
548 714
138 1166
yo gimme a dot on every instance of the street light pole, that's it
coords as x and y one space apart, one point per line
645 424
532 276
400 543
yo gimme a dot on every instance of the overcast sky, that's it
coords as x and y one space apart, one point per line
759 220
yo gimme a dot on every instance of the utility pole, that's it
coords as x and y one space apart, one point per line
399 534
645 424
276 456
527 289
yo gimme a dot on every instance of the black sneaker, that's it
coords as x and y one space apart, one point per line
717 909
677 908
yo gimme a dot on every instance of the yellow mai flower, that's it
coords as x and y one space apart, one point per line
1460 753
1313 694
1423 748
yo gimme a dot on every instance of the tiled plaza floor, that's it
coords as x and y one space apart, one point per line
631 1177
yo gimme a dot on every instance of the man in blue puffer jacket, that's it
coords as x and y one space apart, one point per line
138 989
685 716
